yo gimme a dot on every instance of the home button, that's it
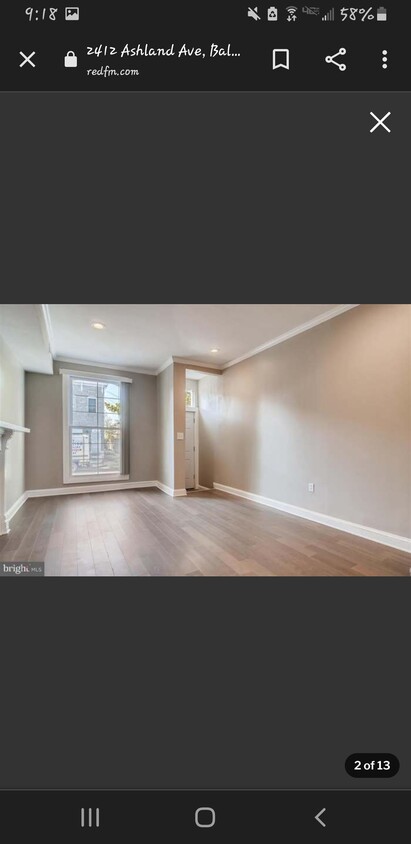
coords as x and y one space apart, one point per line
205 818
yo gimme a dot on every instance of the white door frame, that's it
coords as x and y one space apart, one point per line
194 410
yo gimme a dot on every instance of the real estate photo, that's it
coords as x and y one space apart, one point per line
205 440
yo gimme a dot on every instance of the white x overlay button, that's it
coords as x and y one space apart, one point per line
380 122
27 59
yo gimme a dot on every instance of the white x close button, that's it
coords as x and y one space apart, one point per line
27 59
380 122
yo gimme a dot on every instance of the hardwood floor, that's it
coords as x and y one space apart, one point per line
145 533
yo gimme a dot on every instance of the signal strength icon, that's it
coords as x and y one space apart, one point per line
330 16
292 13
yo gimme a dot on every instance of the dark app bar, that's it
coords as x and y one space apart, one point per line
229 46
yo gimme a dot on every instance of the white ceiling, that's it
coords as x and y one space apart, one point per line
23 328
144 337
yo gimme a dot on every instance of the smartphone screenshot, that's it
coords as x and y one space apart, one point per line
205 509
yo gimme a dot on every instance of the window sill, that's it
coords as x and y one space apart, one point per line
75 480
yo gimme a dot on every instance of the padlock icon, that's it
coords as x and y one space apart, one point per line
70 60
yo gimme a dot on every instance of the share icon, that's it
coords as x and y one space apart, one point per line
331 59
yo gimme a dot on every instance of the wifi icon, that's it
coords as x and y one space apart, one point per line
291 13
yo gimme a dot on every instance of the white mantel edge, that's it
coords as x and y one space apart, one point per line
7 430
8 426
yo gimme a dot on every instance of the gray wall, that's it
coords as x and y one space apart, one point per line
44 415
165 434
210 398
12 410
331 406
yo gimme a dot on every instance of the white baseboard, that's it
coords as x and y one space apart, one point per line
6 519
400 543
87 488
174 493
83 489
4 525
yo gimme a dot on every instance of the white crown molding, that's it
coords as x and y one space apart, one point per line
103 366
164 366
400 543
47 328
189 362
307 326
43 315
301 329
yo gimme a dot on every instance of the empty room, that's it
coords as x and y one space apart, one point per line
205 440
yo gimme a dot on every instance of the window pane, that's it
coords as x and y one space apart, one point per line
85 450
95 435
108 390
84 404
110 460
109 420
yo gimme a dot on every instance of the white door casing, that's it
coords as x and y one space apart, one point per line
190 450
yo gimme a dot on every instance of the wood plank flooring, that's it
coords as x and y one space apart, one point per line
144 533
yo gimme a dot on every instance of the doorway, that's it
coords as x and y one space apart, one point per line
191 479
192 431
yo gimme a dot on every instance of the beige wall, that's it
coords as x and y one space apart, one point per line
12 410
332 407
44 415
165 433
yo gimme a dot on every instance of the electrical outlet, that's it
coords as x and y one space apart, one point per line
311 487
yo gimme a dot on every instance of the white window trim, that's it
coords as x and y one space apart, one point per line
68 478
79 373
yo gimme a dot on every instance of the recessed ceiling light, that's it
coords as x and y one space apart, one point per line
214 351
98 325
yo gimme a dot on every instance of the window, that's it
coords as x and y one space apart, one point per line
94 428
190 398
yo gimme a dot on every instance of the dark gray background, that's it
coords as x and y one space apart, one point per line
208 683
190 683
185 196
